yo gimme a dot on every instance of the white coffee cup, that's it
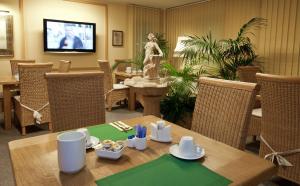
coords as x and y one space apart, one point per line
187 146
87 135
160 124
128 70
140 143
71 151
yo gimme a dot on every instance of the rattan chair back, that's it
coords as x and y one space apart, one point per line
123 64
281 119
14 65
247 73
76 99
33 90
108 79
223 109
64 66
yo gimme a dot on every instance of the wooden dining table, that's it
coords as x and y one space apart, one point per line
34 160
8 83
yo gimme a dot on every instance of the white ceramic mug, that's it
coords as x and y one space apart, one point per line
87 135
140 143
187 146
128 70
71 151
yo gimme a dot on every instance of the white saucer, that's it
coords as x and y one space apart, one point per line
161 140
94 141
174 150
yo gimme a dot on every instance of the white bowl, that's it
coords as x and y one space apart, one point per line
102 153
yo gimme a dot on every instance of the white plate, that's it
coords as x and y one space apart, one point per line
161 140
94 141
174 150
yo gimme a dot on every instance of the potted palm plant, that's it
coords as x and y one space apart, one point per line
205 56
222 58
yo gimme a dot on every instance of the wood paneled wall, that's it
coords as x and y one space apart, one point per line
143 20
278 45
279 42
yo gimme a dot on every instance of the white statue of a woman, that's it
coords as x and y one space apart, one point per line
151 61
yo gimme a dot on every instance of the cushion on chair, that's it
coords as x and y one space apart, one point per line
119 86
17 98
257 112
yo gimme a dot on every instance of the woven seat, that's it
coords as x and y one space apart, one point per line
247 74
113 92
64 66
223 109
33 93
281 120
76 99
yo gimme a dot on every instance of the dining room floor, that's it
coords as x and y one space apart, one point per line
6 175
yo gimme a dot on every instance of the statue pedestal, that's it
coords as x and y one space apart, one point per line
149 97
155 80
151 70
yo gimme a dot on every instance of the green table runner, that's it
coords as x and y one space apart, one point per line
106 131
166 171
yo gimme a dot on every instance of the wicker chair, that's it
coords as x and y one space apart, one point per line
247 74
14 65
15 73
64 66
281 120
76 99
113 92
223 110
33 94
122 64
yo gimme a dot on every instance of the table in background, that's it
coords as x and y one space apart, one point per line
121 76
8 83
34 160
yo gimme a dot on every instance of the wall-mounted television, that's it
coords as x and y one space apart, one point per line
69 36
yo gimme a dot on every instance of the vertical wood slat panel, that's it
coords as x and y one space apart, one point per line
277 45
145 20
277 51
291 37
295 66
284 38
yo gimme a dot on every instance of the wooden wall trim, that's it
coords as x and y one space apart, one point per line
88 2
189 4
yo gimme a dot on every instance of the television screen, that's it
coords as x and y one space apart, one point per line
69 36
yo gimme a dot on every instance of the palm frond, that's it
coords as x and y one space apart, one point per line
254 23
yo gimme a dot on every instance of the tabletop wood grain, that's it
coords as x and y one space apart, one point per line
8 80
34 160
